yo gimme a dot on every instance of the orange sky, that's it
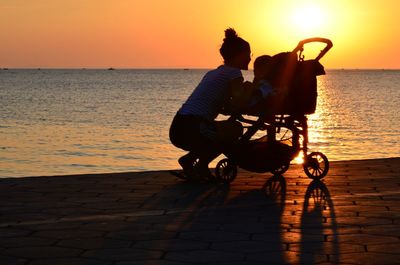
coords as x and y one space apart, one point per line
188 33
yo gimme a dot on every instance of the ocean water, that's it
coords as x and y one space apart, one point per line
89 121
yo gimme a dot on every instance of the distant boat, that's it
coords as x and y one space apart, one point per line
185 69
5 68
110 69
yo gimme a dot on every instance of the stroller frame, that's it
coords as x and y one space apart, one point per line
315 164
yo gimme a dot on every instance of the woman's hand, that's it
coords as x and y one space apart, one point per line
241 93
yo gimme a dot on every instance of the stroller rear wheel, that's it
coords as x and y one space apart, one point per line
316 165
226 170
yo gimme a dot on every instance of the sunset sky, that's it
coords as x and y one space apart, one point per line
188 33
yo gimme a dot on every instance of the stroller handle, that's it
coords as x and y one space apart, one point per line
328 46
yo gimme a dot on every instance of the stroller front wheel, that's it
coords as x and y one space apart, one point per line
316 165
226 170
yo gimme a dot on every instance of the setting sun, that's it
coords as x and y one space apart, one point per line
308 19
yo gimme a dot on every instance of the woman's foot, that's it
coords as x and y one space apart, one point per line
187 163
193 170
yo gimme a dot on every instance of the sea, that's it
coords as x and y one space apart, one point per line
75 121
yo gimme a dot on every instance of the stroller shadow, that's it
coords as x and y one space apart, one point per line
242 224
275 191
318 221
226 223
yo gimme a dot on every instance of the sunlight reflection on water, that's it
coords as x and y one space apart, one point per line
88 121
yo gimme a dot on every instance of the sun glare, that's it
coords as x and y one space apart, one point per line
309 19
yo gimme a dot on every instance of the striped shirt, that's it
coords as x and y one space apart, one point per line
211 93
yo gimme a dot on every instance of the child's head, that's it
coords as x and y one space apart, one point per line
235 50
262 66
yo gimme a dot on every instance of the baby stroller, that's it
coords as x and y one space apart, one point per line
281 121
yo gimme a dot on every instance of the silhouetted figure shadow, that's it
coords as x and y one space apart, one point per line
224 223
318 226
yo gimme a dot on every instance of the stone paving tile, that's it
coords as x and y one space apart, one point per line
13 232
93 243
384 248
368 258
382 230
365 238
122 254
70 261
141 234
67 234
361 221
327 248
49 225
151 262
272 236
42 252
286 257
293 237
26 241
171 245
249 228
113 225
187 226
111 206
238 263
20 218
214 236
352 217
203 256
248 246
334 231
6 260
159 220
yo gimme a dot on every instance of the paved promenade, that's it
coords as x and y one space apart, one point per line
352 217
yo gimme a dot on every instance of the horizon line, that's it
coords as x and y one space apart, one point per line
163 68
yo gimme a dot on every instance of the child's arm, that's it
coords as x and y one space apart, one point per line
241 93
265 88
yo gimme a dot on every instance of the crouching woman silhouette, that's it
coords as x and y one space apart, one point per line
194 127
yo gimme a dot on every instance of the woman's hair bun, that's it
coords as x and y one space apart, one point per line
232 45
230 33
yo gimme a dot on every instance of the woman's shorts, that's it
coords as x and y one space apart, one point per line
194 133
